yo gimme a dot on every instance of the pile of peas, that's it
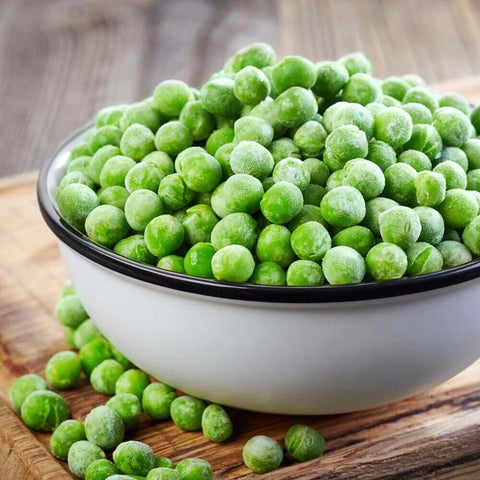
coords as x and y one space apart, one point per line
84 445
283 173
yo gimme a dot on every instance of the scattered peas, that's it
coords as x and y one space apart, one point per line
216 424
304 443
81 455
128 407
157 399
100 470
63 370
262 454
64 436
103 427
186 412
23 387
133 457
44 411
104 376
132 381
94 353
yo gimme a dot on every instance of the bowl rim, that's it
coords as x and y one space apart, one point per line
234 291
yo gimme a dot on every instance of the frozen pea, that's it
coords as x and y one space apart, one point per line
331 78
452 125
373 209
216 424
274 245
356 62
128 407
430 188
115 196
313 194
198 223
200 122
386 261
68 289
94 353
233 263
400 183
393 126
134 457
395 87
268 111
345 143
173 137
163 462
381 153
115 170
454 253
186 412
390 101
74 177
81 455
170 96
134 248
234 229
268 273
174 192
163 235
472 150
219 138
137 142
433 226
198 260
68 336
141 113
292 170
75 202
156 400
418 112
172 263
44 411
365 176
105 376
454 174
251 158
262 454
454 154
283 148
310 241
132 381
459 208
319 172
455 100
80 164
307 213
473 180
141 207
106 225
251 86
253 129
194 469
100 470
426 139
344 113
143 176
64 436
310 138
85 333
218 97
109 115
471 236
417 160
343 265
69 310
359 238
81 149
103 427
400 225
304 443
106 135
295 106
23 387
163 473
120 358
223 155
423 258
63 370
293 71
305 273
162 161
375 108
422 95
267 183
361 88
201 171
343 206
451 234
281 202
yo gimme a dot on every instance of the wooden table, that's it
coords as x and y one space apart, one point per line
432 436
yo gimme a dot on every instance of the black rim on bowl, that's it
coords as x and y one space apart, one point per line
259 293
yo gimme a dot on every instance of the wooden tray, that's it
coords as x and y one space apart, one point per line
432 436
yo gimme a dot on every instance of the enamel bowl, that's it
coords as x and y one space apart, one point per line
289 350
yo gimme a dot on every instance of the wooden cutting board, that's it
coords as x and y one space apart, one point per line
431 436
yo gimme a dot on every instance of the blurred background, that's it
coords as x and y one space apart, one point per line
61 60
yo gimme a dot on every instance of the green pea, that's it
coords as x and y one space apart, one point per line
459 208
198 260
23 387
70 311
128 407
94 353
454 253
401 226
135 248
201 171
395 87
262 454
157 399
282 202
365 176
137 141
258 54
216 424
417 160
423 258
454 154
418 112
115 170
63 370
110 115
310 241
233 263
132 381
452 125
268 273
218 97
133 457
343 207
103 427
422 95
295 106
115 196
170 96
163 462
426 139
359 238
186 412
356 63
251 86
106 225
218 138
75 203
292 170
173 137
386 261
81 455
100 470
472 150
194 469
162 161
343 265
200 122
393 126
304 443
331 78
163 235
105 376
172 263
400 183
141 113
44 411
361 88
143 176
433 226
305 273
106 135
471 236
345 143
163 473
381 153
293 71
251 158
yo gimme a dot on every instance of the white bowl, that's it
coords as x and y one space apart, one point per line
289 350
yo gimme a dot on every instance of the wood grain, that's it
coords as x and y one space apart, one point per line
62 60
432 436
